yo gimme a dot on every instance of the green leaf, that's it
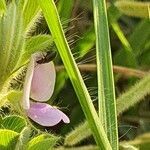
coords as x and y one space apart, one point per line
35 44
11 39
30 14
143 28
14 97
144 58
2 6
65 9
106 90
23 139
127 56
42 141
53 20
13 122
8 139
133 8
127 51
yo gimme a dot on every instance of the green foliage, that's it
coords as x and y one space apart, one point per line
124 102
2 6
36 43
20 23
106 90
142 142
60 83
42 141
15 47
48 7
127 147
65 8
87 41
133 8
30 14
134 95
8 139
11 39
14 123
89 147
78 134
141 29
24 138
130 58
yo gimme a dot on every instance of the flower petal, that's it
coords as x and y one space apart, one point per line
27 84
43 82
46 115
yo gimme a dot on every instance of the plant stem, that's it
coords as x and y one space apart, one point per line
126 72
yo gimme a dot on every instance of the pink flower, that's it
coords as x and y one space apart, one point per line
39 86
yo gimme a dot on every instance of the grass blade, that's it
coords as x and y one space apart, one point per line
52 18
106 92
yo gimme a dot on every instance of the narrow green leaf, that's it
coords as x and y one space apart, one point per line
126 52
48 7
122 37
133 8
129 58
106 91
143 28
8 139
13 122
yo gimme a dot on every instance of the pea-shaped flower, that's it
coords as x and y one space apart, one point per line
39 86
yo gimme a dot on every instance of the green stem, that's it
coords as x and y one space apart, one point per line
134 94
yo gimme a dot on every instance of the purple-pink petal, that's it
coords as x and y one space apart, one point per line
46 115
43 82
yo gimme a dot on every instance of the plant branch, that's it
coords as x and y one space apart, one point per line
127 72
